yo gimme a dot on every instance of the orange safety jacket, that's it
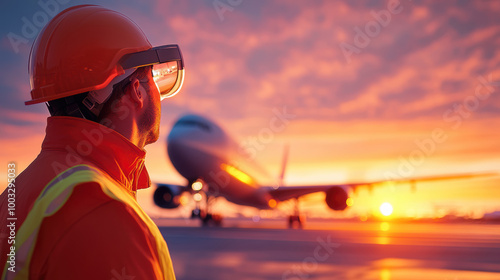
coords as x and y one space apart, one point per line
85 223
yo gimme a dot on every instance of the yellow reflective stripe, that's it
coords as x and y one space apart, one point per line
27 234
55 195
118 193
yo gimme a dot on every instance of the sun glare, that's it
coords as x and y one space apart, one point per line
238 174
386 209
349 202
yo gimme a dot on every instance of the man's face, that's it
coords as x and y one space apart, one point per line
150 119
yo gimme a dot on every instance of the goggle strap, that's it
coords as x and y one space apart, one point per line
152 56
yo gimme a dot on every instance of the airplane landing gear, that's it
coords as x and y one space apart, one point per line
296 218
196 213
206 217
212 220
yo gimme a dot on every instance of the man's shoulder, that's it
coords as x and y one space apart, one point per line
88 201
104 232
89 221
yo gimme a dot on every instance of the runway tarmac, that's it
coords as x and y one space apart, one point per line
243 249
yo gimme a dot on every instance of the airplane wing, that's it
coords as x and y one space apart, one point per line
285 193
433 178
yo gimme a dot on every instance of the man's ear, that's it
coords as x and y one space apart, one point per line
136 92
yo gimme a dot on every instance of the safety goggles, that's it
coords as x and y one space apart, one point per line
167 67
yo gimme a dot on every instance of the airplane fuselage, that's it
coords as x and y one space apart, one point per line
199 149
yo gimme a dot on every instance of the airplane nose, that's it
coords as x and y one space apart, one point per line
185 140
173 139
185 150
179 154
176 143
190 150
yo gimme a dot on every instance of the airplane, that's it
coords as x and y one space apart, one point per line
214 164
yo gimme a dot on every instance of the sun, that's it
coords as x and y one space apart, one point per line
386 209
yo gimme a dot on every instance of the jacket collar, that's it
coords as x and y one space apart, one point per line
85 141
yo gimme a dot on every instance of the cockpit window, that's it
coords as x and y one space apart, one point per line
193 123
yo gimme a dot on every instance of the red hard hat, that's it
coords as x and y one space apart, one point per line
79 51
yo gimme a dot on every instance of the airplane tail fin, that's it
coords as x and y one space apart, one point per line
284 164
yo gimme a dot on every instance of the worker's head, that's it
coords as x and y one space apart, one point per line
90 62
138 96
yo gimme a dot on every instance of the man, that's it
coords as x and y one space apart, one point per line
76 215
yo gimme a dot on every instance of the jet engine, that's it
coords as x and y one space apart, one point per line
167 196
336 198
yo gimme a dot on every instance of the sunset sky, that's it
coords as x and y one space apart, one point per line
367 88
